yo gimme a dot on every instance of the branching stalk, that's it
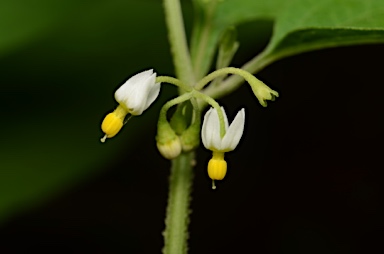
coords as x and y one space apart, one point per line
180 181
233 82
179 198
178 41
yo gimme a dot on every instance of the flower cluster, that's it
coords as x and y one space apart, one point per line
182 133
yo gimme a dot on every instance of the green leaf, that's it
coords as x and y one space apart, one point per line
311 25
299 25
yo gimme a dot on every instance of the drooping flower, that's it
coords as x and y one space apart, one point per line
138 92
218 144
134 97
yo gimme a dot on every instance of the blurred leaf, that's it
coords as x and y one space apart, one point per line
24 21
299 25
57 88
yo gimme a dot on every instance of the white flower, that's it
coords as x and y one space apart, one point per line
212 140
138 92
134 96
211 131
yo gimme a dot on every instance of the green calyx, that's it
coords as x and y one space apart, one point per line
168 143
190 139
181 119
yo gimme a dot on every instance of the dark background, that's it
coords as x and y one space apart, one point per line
306 177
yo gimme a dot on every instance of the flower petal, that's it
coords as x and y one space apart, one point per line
134 93
204 129
225 118
234 132
153 92
139 78
211 130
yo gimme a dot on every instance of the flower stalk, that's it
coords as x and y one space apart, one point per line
180 181
178 211
178 41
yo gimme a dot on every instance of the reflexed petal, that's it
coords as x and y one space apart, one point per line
205 130
153 95
138 92
276 94
215 125
139 78
211 130
234 132
134 98
132 84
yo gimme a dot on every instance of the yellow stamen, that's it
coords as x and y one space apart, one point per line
113 122
217 167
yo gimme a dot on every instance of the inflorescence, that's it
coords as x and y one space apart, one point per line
182 132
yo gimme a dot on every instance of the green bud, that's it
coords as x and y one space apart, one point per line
190 139
181 119
167 141
264 93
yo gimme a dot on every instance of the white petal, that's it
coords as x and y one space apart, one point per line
153 92
225 118
139 77
133 94
211 130
219 146
204 130
131 84
234 132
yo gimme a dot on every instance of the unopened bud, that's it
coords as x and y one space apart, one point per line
264 93
167 141
190 139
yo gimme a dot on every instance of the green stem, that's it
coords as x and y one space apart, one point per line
252 80
196 109
178 41
201 51
177 214
173 81
215 105
179 198
200 62
233 82
171 103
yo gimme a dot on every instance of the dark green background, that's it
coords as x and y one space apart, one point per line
306 177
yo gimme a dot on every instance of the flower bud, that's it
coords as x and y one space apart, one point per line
167 141
181 118
171 149
190 139
264 93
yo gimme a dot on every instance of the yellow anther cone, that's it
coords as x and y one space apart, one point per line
217 166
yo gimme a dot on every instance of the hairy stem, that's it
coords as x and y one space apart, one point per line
252 80
179 198
178 41
173 102
215 105
173 81
233 82
180 182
